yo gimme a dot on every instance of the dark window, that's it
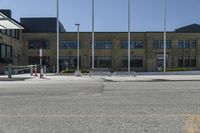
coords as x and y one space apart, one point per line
102 44
68 44
187 44
193 44
5 53
187 62
180 44
8 32
133 44
135 61
17 34
35 60
159 44
180 61
13 33
69 62
102 61
37 44
193 61
3 31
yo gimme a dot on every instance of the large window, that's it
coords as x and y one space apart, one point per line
5 53
187 44
159 44
35 60
65 44
133 44
102 44
10 32
69 62
37 44
102 61
135 61
187 61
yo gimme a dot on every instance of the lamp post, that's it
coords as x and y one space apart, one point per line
165 36
129 36
92 34
57 36
78 73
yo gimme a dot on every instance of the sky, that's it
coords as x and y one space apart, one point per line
110 15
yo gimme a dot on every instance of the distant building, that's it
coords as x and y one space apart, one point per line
21 47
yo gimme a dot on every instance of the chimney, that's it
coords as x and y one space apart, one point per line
6 12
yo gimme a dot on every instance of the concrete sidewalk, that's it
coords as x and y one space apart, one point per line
127 78
153 78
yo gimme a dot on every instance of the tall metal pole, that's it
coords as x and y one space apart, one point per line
165 24
77 47
92 34
58 40
129 36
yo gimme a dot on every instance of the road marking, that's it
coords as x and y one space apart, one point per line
193 123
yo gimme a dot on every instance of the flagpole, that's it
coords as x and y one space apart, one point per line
165 24
129 36
92 34
57 36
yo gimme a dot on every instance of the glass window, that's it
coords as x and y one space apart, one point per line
187 44
13 32
69 62
187 62
65 44
36 44
193 44
5 53
133 44
102 61
193 61
3 31
180 44
159 44
102 44
135 61
9 53
180 61
35 60
9 32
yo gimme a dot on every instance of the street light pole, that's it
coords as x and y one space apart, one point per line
129 36
165 36
57 36
77 46
92 34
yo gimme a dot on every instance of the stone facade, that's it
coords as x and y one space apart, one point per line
150 54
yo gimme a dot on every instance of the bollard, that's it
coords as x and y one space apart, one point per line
31 70
35 70
9 71
45 69
41 71
54 69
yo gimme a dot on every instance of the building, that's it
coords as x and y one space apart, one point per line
183 48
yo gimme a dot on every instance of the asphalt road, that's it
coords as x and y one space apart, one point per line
99 107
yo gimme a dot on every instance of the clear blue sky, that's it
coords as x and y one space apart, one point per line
110 15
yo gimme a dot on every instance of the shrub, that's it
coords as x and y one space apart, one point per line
178 69
67 70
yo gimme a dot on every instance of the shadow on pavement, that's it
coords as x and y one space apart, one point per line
14 79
